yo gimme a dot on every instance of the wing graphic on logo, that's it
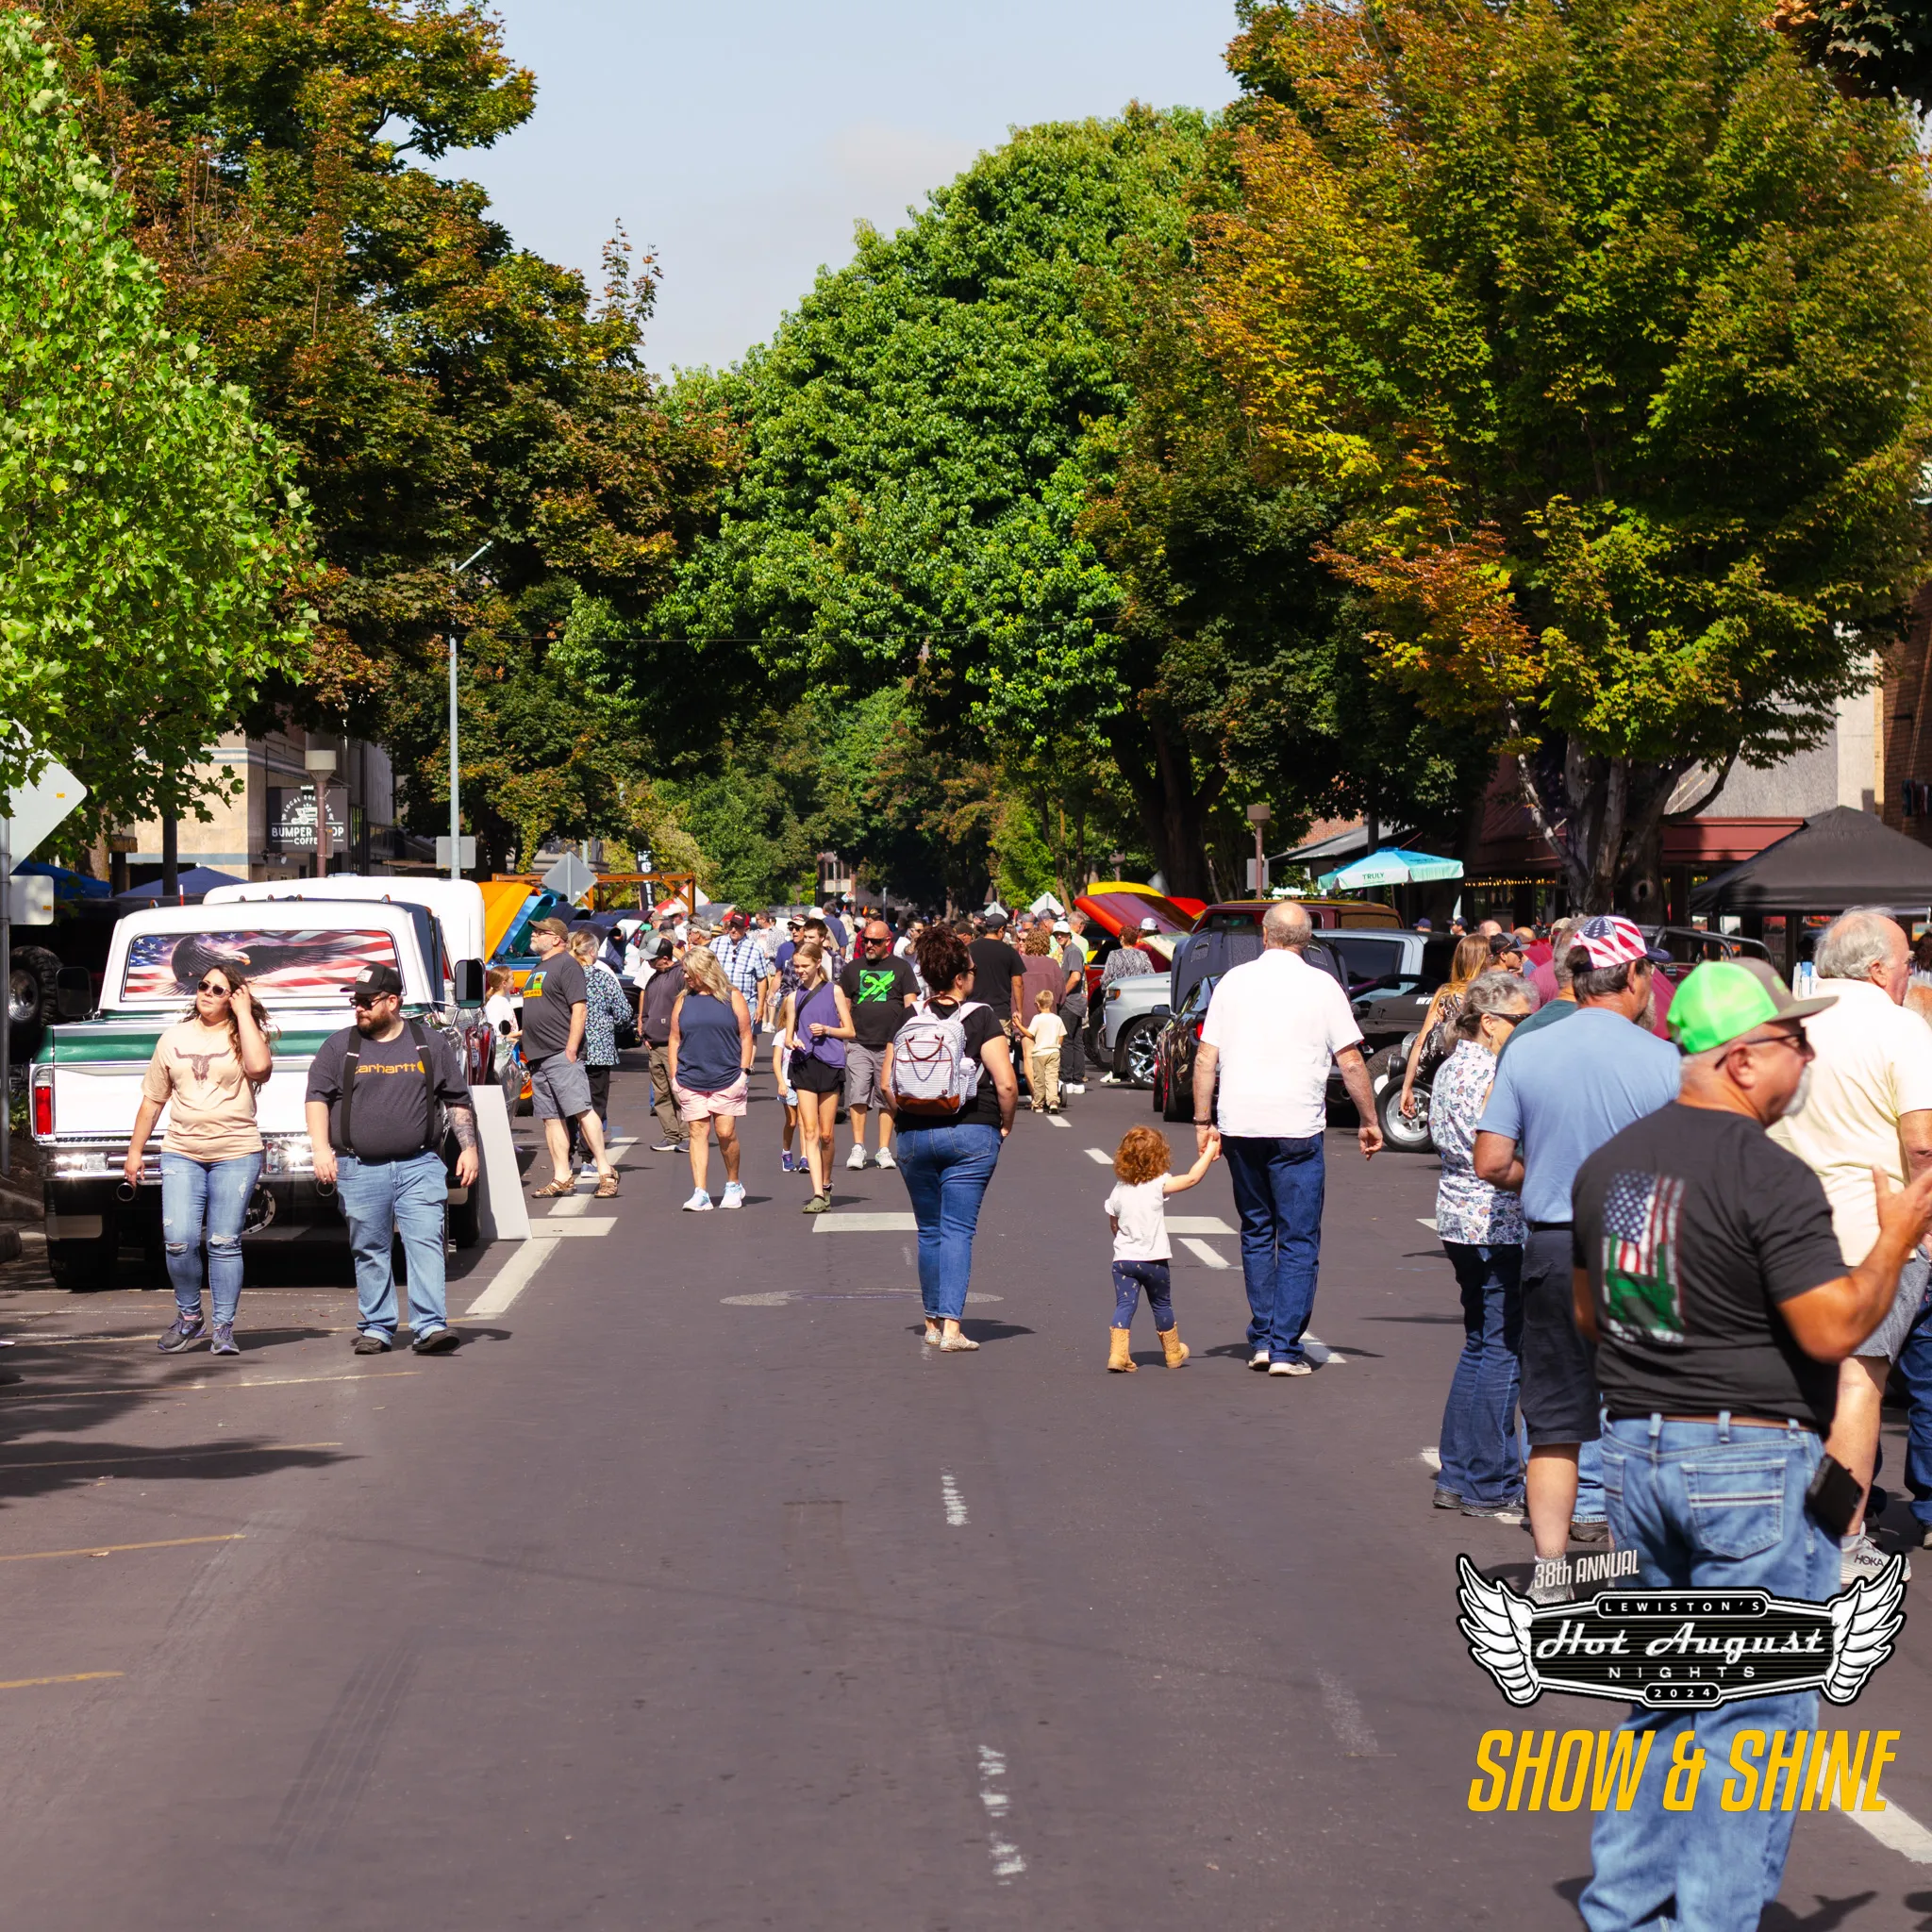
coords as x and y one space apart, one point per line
1864 1621
1497 1622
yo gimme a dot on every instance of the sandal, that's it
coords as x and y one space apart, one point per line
606 1187
555 1191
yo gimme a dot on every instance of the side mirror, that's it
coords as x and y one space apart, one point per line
469 982
73 993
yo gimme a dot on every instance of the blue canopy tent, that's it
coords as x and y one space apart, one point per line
192 882
1390 866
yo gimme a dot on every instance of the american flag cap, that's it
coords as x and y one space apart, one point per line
1610 940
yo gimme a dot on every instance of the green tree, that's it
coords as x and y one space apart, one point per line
151 538
1610 324
441 385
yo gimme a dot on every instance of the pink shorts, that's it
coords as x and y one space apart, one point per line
699 1107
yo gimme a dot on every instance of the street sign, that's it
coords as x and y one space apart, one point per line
466 856
1258 875
645 860
30 900
569 878
38 808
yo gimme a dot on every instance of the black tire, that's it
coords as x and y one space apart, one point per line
1134 1051
1403 1133
32 1006
85 1267
465 1222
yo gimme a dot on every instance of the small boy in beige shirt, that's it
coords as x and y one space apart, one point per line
1044 1033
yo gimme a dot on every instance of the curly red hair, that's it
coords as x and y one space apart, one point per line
1142 1155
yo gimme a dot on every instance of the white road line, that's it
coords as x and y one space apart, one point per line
1427 1221
613 1148
955 1502
864 1224
1101 1155
1007 1862
1343 1711
515 1276
571 1203
585 1225
1202 1252
1055 1120
1197 1224
1897 1830
1319 1352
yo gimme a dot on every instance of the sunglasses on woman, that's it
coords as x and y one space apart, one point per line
215 985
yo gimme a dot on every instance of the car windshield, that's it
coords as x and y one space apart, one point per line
281 967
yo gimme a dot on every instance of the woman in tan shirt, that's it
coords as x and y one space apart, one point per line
205 1072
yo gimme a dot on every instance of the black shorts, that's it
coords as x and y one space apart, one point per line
1558 1397
809 1076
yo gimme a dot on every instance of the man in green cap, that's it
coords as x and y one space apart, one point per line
1708 1272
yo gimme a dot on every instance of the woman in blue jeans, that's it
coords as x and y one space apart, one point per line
947 1153
1481 1231
205 1071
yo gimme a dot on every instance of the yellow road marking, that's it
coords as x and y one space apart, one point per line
194 1388
172 1542
174 1455
72 1677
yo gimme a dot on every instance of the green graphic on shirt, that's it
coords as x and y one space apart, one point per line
1641 1300
875 984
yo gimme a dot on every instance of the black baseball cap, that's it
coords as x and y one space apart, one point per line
666 950
374 983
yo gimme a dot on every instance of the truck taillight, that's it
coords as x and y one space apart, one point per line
43 1102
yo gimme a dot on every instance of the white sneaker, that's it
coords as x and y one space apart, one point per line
1291 1368
734 1194
855 1159
884 1158
1073 1087
1860 1560
700 1202
1258 1359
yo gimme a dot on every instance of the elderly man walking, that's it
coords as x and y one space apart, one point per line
1559 1095
748 966
1868 1106
1273 1027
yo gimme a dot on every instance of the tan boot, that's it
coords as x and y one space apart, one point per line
1176 1349
1117 1356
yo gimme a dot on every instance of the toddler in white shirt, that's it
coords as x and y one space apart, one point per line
1137 1212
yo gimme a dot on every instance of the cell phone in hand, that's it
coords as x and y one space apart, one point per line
1834 1497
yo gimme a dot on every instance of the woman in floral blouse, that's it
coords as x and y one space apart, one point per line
606 1008
1481 1231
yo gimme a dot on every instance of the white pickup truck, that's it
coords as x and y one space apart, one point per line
301 956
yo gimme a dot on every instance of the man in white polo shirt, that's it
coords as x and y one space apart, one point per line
1274 1028
1867 1105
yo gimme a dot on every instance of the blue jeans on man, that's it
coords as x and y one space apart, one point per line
205 1199
382 1199
1278 1186
947 1171
1707 1506
1915 1371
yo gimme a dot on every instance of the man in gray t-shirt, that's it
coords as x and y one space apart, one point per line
555 1005
1559 1095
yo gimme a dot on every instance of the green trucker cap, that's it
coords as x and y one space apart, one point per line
1722 999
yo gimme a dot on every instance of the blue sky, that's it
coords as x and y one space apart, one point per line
743 141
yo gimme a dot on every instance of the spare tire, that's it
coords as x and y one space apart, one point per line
33 1003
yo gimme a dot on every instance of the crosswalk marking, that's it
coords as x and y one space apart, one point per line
1054 1120
1100 1154
1202 1252
1197 1224
864 1224
514 1277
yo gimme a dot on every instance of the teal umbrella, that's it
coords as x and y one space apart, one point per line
1390 866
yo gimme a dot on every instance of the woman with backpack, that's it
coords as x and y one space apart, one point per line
813 1024
949 1086
1436 1039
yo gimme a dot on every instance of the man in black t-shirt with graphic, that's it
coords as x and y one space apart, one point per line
1709 1276
998 971
878 990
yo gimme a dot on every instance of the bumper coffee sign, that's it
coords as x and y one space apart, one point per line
1681 1647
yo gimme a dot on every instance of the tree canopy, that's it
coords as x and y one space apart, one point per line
1609 323
151 537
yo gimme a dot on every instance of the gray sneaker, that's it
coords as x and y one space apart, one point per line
225 1342
184 1331
370 1343
1860 1560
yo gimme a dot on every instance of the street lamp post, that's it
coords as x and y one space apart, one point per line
321 766
1258 816
455 815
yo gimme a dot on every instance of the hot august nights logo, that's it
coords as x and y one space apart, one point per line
1676 1648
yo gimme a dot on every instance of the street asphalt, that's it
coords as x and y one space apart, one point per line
694 1592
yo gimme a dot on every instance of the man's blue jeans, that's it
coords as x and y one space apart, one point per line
1277 1191
380 1200
1482 1454
1915 1370
206 1197
947 1171
1707 1506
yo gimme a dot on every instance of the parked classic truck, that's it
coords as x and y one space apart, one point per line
301 956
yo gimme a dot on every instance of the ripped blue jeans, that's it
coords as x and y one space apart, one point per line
206 1198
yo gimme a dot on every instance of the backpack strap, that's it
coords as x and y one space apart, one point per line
352 1061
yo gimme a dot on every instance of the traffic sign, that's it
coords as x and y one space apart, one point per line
466 856
569 878
36 808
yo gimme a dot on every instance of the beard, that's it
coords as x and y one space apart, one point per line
1801 1095
366 1022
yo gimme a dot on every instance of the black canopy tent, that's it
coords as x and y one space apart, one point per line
1839 858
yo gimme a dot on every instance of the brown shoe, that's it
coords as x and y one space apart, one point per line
1176 1349
1118 1360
